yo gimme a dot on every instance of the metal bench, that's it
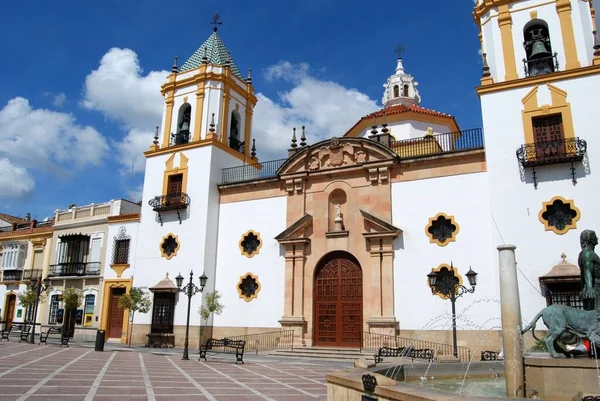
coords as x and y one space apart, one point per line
407 352
224 346
56 333
19 330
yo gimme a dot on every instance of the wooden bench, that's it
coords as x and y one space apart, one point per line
56 333
19 330
224 346
407 352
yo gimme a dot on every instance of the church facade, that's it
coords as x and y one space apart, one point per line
338 241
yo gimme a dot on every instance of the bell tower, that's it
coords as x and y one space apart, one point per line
401 87
539 104
208 100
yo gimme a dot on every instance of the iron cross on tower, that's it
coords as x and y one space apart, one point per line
399 50
215 21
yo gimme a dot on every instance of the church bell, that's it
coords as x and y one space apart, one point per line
537 42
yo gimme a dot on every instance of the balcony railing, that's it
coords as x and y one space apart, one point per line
29 274
29 226
74 269
181 137
249 172
432 145
12 275
564 150
164 203
540 66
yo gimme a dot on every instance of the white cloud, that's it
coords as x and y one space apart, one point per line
44 140
119 89
59 100
15 181
326 108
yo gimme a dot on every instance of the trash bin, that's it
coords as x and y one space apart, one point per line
100 334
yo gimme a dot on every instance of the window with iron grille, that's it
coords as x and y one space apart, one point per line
53 309
564 293
121 256
162 313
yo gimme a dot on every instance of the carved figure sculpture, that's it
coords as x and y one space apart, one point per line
589 264
561 320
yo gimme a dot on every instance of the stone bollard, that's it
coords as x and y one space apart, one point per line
511 323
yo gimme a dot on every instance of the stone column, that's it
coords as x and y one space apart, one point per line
511 323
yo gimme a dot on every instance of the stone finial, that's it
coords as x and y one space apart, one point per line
205 56
486 67
374 127
175 69
303 138
212 124
228 60
249 78
253 150
294 140
384 128
596 45
563 257
155 141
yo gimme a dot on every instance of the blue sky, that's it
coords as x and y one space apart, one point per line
79 93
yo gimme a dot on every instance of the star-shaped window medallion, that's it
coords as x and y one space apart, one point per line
248 287
442 229
559 215
169 246
250 244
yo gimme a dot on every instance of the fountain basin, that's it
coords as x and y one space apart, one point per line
560 378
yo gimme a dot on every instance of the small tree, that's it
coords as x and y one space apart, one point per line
212 304
135 301
71 298
27 300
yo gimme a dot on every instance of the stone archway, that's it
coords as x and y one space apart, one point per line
338 303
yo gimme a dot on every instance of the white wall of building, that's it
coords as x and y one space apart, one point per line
409 129
516 204
267 217
466 198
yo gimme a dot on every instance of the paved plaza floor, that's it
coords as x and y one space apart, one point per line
48 372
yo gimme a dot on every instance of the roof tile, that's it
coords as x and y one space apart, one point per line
216 52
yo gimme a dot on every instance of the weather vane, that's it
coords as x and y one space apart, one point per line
399 50
215 21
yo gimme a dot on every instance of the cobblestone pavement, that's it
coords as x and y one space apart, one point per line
48 372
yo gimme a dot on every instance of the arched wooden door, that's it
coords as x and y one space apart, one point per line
338 302
11 301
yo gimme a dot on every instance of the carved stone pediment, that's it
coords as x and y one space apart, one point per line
336 153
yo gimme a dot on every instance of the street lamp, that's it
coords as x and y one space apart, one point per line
190 290
37 285
446 283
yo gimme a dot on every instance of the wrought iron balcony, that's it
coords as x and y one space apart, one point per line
31 273
438 144
12 275
74 269
165 203
540 66
250 172
236 144
181 137
564 150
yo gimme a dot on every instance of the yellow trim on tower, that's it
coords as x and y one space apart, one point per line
119 268
508 48
110 283
168 117
563 7
572 206
199 110
559 105
171 170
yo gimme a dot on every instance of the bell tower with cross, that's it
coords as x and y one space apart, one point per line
401 87
208 98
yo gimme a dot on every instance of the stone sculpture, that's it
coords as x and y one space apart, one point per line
572 330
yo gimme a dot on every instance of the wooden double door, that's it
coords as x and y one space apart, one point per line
115 318
338 302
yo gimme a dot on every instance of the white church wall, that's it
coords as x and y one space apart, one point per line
409 129
582 25
466 198
267 217
131 229
516 204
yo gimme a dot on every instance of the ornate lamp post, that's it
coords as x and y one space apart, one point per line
190 290
37 285
446 283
